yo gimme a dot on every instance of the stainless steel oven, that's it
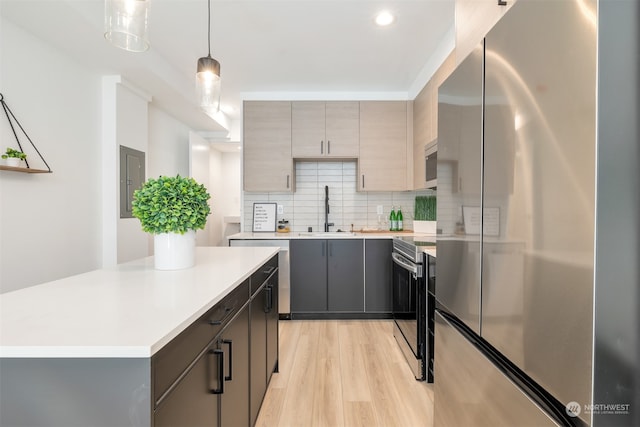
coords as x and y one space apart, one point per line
410 305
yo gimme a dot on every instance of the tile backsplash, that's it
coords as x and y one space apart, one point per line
305 207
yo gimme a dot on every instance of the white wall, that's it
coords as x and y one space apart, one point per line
199 170
230 199
168 145
220 173
216 186
131 131
230 196
49 223
60 224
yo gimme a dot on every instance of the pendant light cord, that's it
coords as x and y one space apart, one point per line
209 27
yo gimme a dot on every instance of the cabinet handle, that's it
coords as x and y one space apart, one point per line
288 181
269 271
321 147
328 147
323 243
269 301
362 181
502 2
220 356
230 344
228 312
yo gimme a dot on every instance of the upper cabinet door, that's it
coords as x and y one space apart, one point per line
342 128
325 129
308 129
382 165
268 165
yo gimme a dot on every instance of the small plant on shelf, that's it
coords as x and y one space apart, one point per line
14 154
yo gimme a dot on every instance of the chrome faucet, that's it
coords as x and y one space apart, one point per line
327 224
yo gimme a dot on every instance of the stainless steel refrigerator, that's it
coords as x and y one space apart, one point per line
516 206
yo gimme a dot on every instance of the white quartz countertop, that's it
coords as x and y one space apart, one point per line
131 310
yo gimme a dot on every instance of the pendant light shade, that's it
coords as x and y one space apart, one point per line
125 24
208 76
208 84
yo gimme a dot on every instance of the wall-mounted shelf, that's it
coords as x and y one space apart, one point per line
13 123
23 170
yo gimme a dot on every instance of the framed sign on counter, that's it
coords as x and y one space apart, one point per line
264 217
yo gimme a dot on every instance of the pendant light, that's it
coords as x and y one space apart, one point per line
125 24
208 76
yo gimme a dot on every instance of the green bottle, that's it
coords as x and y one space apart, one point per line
393 219
399 220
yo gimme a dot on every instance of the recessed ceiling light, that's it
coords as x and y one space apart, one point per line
384 18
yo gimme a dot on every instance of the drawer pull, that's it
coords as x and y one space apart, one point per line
269 299
230 344
228 312
269 271
220 356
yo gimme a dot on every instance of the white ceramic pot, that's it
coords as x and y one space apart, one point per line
12 161
427 227
173 251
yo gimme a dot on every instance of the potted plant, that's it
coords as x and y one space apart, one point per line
172 209
13 157
424 216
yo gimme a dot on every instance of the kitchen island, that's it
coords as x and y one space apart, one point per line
111 346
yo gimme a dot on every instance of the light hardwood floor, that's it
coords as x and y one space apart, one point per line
344 373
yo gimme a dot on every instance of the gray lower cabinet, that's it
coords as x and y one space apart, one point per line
345 276
264 334
196 386
308 275
227 380
234 399
327 276
215 390
378 271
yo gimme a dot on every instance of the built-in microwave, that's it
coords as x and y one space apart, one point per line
431 164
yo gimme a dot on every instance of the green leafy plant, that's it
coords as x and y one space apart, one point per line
425 208
171 205
11 153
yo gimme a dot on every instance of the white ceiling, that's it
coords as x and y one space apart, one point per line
297 49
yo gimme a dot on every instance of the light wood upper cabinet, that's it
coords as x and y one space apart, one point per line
382 165
474 19
325 129
425 119
268 164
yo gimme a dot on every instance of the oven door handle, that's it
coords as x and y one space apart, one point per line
407 265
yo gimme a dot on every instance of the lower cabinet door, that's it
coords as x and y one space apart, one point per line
379 274
192 403
272 327
258 352
234 342
345 276
308 275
